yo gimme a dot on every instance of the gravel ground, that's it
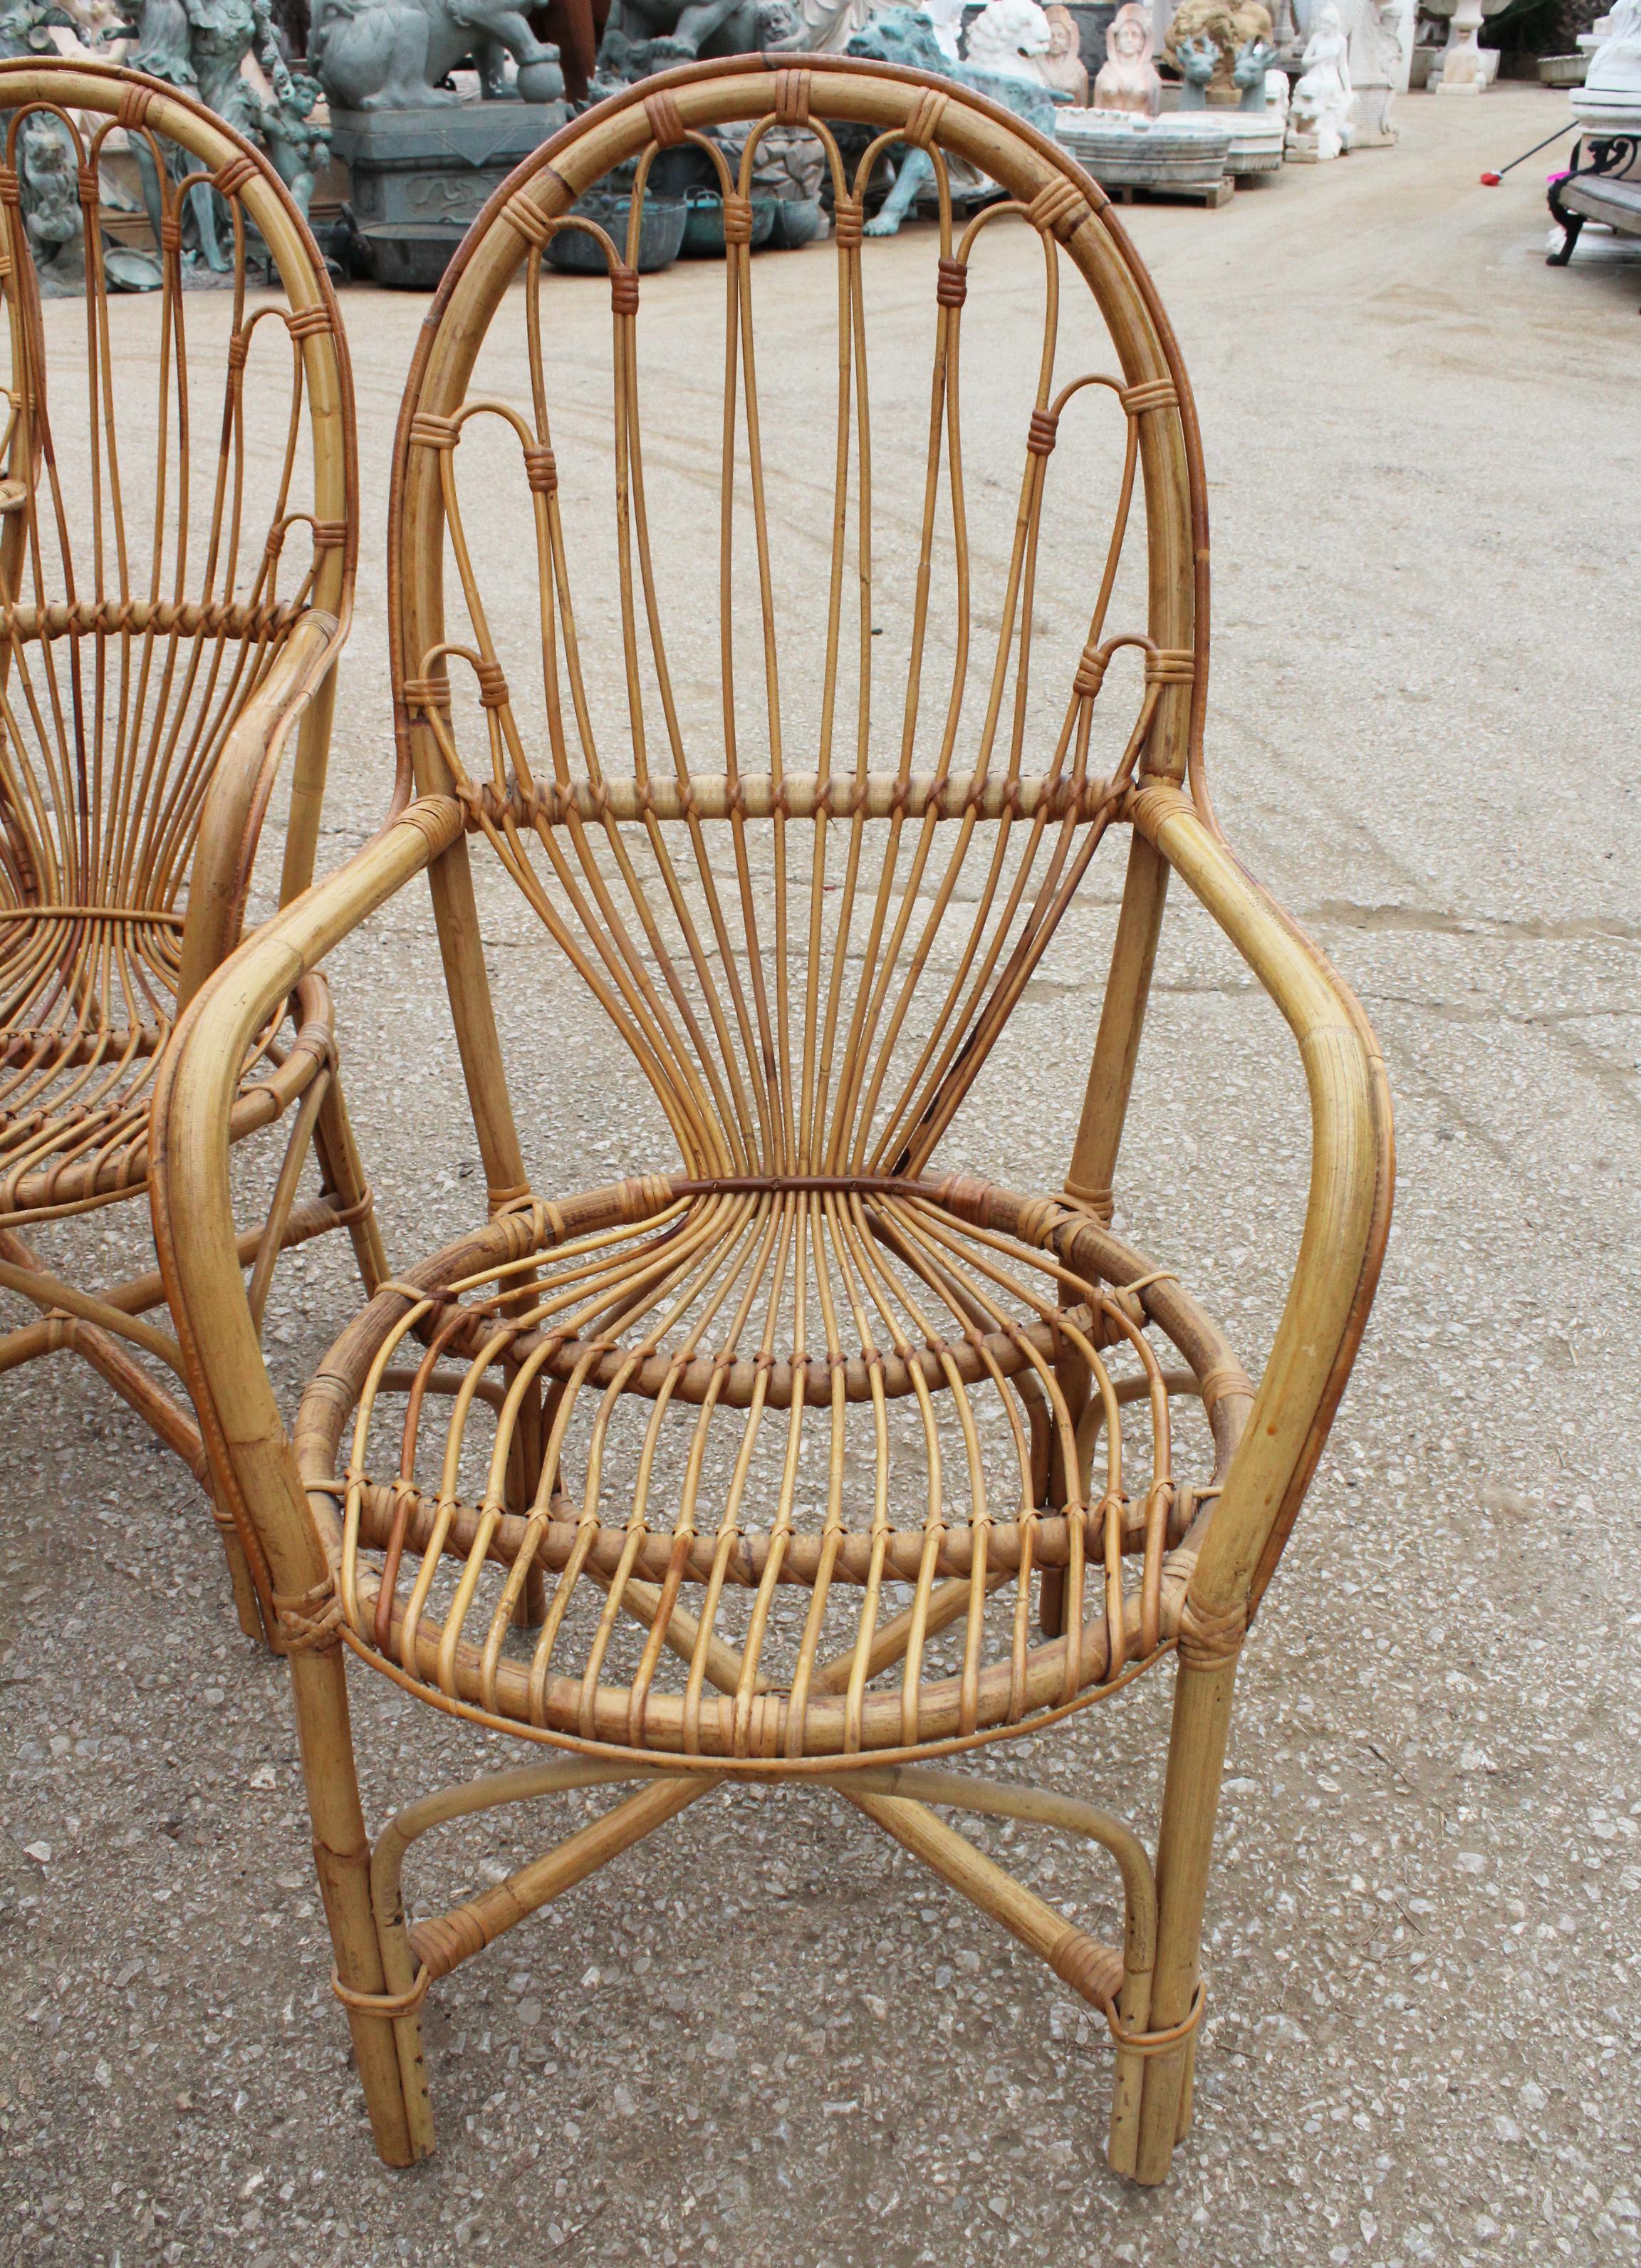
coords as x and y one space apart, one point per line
760 2040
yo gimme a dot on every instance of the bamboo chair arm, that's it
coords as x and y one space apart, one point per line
1347 1216
251 1459
242 784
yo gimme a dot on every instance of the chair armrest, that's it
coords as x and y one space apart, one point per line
237 800
1347 1215
194 1094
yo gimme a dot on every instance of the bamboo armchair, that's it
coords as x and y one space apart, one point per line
173 595
795 1460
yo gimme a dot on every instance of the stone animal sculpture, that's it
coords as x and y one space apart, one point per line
906 36
391 54
1252 60
1196 61
1229 24
1008 36
643 36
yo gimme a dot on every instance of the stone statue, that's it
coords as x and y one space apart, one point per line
907 37
202 46
391 54
1062 69
644 36
947 16
1197 60
1253 60
1615 65
1376 54
1008 36
1129 78
1229 25
1319 116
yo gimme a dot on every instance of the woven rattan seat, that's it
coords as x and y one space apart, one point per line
910 1448
172 600
804 1450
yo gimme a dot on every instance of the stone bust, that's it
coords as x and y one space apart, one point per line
1129 78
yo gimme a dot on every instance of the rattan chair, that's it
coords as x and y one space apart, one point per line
788 1457
174 591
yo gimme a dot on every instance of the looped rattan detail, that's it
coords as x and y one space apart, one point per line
1170 667
950 282
541 469
1090 673
737 212
1059 208
10 189
1042 432
170 234
849 221
388 2005
229 179
527 219
1150 394
136 102
666 124
923 120
239 350
1209 1637
793 95
309 1622
624 290
1160 2042
492 685
426 693
428 431
88 186
328 534
308 323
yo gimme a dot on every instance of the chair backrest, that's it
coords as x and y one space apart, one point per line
802 787
179 496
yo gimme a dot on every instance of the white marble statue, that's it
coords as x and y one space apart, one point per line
947 16
1615 65
828 26
1009 36
1129 78
1319 116
1381 42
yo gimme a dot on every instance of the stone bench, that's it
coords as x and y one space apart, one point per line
1580 196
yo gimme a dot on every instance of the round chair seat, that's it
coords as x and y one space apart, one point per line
762 1474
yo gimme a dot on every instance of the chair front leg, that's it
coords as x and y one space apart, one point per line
341 1852
1190 1800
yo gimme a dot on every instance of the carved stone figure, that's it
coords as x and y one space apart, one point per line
1376 51
1319 116
391 54
1615 65
1062 69
1247 71
644 36
1197 60
1129 78
906 36
1229 25
202 44
1009 36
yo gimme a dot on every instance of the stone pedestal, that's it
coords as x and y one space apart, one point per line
418 177
1461 67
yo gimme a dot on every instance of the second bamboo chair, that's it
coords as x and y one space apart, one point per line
176 579
789 1457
